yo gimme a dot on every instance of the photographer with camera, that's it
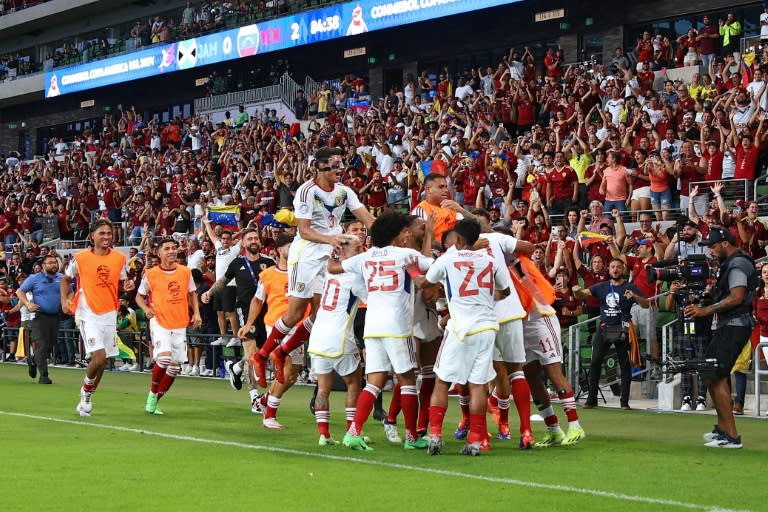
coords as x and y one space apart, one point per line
733 295
616 299
686 241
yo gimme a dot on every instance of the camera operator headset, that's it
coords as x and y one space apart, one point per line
733 295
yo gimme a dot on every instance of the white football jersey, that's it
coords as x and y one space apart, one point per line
333 333
425 320
470 279
390 297
324 209
502 247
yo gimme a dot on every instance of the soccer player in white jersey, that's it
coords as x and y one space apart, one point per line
388 324
472 281
319 206
509 351
332 346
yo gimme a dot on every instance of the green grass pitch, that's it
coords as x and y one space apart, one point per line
209 452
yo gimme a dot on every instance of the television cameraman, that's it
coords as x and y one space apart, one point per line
693 337
733 295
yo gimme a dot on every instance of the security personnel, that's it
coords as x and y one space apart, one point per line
733 295
45 305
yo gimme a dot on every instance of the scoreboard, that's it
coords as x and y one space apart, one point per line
333 22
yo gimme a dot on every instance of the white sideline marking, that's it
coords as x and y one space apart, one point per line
390 465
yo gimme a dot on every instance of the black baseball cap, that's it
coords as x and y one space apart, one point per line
718 234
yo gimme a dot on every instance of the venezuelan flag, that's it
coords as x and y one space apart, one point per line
125 351
224 215
587 238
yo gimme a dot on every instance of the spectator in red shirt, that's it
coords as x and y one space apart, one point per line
562 186
747 151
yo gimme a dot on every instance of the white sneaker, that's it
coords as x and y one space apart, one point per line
393 436
195 371
686 404
701 404
272 424
206 373
85 406
124 367
218 341
234 342
185 369
133 367
256 406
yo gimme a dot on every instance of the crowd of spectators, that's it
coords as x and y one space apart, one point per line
562 156
11 6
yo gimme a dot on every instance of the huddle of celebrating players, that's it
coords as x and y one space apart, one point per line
447 299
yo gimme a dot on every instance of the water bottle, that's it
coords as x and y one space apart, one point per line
222 372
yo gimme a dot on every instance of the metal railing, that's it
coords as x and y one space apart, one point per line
752 43
762 346
140 344
223 101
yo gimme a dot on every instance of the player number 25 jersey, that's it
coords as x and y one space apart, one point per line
390 307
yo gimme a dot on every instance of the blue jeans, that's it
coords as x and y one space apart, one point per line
619 205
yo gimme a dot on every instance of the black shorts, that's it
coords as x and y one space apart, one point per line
225 300
726 345
44 329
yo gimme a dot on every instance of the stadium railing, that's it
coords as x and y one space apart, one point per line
140 344
285 91
759 372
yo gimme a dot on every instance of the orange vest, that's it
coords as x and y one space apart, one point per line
445 218
275 282
170 296
99 279
535 280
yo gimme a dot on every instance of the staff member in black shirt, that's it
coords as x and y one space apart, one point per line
733 295
245 271
616 298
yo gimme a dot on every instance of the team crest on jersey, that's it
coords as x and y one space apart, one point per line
340 200
300 287
304 209
91 342
262 266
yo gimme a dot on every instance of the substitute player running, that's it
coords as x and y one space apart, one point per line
100 271
472 280
319 206
272 290
171 292
332 344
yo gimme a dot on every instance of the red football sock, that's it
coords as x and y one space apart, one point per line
299 336
272 404
350 411
425 394
521 393
323 417
503 404
394 405
279 331
165 384
410 401
436 417
464 403
157 375
569 405
478 429
89 385
550 418
364 407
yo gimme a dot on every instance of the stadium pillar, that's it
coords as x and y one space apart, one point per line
376 82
